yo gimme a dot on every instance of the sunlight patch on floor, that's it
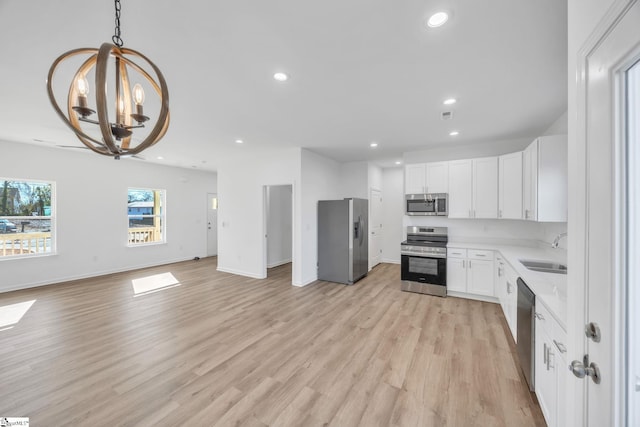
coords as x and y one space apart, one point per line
11 314
155 283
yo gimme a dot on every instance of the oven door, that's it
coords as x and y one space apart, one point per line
421 206
424 269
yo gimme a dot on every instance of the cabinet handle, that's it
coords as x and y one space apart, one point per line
509 287
500 214
463 264
550 354
561 347
544 357
480 255
469 264
526 213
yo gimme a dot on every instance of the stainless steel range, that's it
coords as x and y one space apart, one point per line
424 260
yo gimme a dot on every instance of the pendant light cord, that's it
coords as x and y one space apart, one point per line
117 40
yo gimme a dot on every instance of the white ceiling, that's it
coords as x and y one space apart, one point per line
360 71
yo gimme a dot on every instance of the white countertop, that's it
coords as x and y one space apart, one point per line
550 288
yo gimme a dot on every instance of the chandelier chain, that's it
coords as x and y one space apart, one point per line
117 40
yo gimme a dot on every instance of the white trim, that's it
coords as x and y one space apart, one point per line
278 263
389 261
241 273
578 304
465 295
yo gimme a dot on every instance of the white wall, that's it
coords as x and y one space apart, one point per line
559 127
320 180
91 213
353 180
392 213
241 181
279 225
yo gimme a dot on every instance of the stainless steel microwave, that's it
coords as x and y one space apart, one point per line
427 204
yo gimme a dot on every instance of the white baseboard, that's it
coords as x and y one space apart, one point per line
306 282
278 263
390 261
241 273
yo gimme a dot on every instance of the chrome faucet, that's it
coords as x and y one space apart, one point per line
556 241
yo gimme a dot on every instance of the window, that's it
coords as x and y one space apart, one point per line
27 218
145 209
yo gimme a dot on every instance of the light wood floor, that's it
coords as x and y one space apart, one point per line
226 350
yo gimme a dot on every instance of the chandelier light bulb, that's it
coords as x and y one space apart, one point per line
83 86
138 94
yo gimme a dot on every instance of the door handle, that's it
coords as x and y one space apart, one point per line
586 369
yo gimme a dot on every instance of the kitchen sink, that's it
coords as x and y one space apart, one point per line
544 266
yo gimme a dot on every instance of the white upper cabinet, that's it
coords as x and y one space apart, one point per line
437 177
473 188
460 188
544 164
414 179
510 186
422 178
485 187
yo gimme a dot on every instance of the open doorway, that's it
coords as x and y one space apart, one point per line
212 224
278 202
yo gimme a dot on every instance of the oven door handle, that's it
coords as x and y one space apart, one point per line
439 256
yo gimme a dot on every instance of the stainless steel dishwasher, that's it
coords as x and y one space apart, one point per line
526 331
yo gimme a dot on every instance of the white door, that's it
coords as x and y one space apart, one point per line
601 107
212 224
375 228
633 215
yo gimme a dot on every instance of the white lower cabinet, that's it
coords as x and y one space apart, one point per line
470 271
550 361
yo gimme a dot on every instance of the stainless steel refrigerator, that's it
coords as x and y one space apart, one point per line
343 244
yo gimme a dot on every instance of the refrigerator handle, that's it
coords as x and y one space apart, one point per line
356 229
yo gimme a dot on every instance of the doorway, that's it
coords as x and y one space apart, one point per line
278 202
212 224
375 223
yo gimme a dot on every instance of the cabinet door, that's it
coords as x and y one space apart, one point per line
551 195
511 285
530 180
460 188
437 177
545 374
485 187
414 179
457 274
510 186
480 277
501 284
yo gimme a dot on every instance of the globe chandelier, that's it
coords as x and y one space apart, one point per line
118 107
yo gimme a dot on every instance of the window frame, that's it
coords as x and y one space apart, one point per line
52 218
162 217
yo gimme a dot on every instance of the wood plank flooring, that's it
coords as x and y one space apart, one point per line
223 350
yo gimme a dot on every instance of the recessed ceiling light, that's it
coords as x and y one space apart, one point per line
373 145
449 101
438 19
398 162
281 77
160 158
454 133
239 141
